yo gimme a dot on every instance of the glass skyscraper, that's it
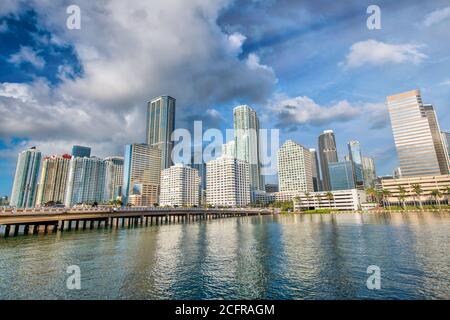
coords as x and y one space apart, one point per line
341 175
247 143
160 125
412 135
328 154
80 151
369 171
26 179
446 140
317 182
439 145
355 156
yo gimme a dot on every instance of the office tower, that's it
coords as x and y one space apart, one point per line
412 135
26 178
80 151
369 172
271 188
160 125
355 156
141 175
247 143
439 145
85 181
446 140
317 182
229 149
227 182
113 178
179 186
295 168
53 180
201 168
341 175
328 154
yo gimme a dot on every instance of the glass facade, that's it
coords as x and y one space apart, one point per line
328 154
341 175
80 151
355 156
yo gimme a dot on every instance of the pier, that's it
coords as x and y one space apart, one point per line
35 221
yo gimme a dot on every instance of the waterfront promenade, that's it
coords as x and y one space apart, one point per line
34 221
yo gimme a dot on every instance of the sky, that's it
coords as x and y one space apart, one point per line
305 66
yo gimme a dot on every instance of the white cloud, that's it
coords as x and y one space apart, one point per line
27 55
437 16
445 83
3 27
378 53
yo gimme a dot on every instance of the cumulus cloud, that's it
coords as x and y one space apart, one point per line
372 52
294 112
130 54
437 16
27 55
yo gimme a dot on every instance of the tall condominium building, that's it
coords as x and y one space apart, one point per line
81 152
26 178
341 175
247 143
198 164
295 168
113 178
53 180
439 145
317 182
227 182
328 154
85 181
271 188
355 156
446 140
412 135
369 172
160 125
141 174
179 186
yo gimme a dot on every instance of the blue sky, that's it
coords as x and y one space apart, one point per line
305 66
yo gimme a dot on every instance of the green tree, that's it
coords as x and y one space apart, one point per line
402 196
417 189
372 194
297 202
385 194
329 195
437 194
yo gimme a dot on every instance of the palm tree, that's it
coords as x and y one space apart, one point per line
447 192
330 197
319 198
402 195
371 193
437 194
297 200
385 194
417 189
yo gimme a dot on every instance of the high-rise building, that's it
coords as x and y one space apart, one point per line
141 175
412 135
53 180
271 188
229 149
198 164
369 171
179 187
446 140
227 182
355 156
26 178
85 181
341 175
247 143
81 152
160 125
317 182
4 201
295 168
328 154
113 178
439 145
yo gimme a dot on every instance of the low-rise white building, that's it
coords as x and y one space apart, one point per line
227 182
180 186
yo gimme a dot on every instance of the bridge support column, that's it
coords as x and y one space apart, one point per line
55 227
46 228
16 230
26 229
77 225
7 230
91 224
84 224
36 229
70 225
61 226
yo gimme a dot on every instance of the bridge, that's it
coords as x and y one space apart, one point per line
34 221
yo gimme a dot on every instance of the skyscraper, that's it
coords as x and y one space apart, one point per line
446 140
295 168
439 145
227 182
85 181
355 156
26 178
113 178
53 180
369 171
80 151
229 149
317 182
141 174
328 154
247 143
412 135
179 186
341 175
160 125
201 168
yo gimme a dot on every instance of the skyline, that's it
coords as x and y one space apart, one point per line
283 73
